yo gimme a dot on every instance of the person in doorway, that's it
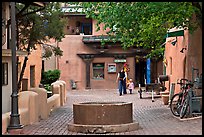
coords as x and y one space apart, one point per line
131 86
121 78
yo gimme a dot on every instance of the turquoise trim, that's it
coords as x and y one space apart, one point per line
175 33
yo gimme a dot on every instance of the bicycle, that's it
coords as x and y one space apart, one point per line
190 96
176 101
185 100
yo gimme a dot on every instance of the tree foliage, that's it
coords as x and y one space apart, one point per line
40 27
37 26
142 24
50 76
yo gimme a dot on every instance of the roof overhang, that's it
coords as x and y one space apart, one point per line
7 53
94 42
96 39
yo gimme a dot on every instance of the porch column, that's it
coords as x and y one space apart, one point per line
88 59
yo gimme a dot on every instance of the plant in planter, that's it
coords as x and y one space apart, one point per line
48 77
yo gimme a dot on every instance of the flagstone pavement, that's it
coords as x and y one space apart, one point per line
154 118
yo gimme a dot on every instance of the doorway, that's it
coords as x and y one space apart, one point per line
140 75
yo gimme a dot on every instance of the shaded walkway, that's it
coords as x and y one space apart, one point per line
154 118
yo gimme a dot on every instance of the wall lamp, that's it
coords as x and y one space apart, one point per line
183 49
174 42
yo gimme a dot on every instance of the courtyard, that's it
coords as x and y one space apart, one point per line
154 118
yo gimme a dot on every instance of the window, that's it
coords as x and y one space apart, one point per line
98 70
170 65
184 67
32 76
86 28
4 73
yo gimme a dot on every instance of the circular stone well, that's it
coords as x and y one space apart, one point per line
102 117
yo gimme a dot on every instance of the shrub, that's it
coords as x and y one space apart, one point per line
48 77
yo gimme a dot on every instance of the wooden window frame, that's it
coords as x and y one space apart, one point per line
5 73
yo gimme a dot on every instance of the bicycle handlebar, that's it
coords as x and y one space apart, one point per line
183 79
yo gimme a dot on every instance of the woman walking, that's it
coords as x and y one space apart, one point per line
121 78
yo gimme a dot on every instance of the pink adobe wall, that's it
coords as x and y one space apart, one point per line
51 63
109 81
177 59
195 52
70 64
73 67
36 60
182 62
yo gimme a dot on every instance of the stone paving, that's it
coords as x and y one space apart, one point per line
154 118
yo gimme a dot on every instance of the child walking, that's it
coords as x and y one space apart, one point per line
131 86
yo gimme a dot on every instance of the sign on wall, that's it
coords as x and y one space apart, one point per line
119 60
112 68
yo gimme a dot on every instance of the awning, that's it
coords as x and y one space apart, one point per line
175 33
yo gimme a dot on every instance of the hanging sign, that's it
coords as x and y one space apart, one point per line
119 60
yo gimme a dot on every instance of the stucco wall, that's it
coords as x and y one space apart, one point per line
182 62
7 89
109 81
70 64
73 67
195 55
34 59
51 63
177 64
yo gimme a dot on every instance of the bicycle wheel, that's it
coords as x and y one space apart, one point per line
175 104
185 106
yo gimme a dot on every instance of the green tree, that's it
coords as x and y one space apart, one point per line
143 24
37 26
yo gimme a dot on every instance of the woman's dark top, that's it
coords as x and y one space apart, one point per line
121 75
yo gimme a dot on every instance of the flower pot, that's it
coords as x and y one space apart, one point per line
164 93
165 99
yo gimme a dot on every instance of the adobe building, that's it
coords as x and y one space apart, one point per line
32 75
183 52
95 66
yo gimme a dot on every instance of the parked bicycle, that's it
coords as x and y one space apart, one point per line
186 99
177 100
185 102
